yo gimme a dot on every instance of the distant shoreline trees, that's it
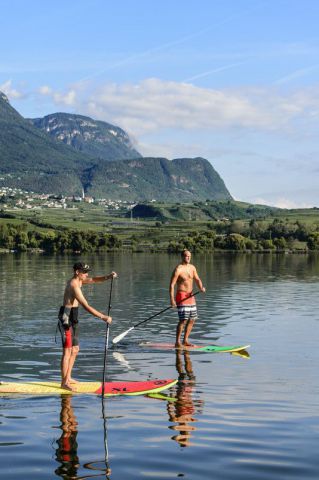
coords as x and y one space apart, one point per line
22 239
238 235
235 235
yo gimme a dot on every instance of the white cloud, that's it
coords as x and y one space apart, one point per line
282 202
67 98
8 90
45 90
154 105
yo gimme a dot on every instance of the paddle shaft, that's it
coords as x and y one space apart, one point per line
106 448
122 335
106 344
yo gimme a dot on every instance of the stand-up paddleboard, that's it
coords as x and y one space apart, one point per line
110 388
197 348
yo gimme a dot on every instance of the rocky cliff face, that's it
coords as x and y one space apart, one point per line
3 97
96 138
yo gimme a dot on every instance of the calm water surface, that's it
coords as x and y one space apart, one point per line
229 417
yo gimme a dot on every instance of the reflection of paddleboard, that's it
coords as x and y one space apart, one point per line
241 353
162 396
110 388
197 348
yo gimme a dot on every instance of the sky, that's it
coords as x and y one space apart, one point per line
233 81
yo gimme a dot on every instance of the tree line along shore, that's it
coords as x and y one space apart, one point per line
264 235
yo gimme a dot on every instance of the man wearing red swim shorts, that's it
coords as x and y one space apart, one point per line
68 318
183 277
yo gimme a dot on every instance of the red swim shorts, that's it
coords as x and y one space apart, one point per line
183 298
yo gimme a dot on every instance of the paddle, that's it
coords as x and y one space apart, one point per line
122 335
106 448
106 344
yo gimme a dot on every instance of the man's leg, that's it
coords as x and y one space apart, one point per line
74 353
65 365
179 331
72 358
188 330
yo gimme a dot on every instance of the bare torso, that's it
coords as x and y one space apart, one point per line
183 278
69 299
184 282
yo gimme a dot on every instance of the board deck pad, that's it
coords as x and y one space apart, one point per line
197 348
110 388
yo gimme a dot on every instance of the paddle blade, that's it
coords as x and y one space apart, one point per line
122 335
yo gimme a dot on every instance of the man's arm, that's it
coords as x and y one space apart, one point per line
99 279
82 301
198 281
172 284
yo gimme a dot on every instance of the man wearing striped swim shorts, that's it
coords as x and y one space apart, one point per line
183 277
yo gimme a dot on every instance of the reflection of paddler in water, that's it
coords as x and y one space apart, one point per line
66 453
183 410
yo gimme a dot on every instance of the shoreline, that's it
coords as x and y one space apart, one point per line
156 251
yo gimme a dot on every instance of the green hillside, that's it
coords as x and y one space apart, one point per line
31 160
145 179
202 211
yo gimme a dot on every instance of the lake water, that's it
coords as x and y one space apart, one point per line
229 417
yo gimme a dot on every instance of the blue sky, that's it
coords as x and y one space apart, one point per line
234 81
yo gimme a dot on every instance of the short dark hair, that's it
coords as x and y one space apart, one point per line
81 267
184 251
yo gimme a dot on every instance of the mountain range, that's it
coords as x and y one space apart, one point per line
65 153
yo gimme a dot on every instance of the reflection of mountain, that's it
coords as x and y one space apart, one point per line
183 410
66 453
